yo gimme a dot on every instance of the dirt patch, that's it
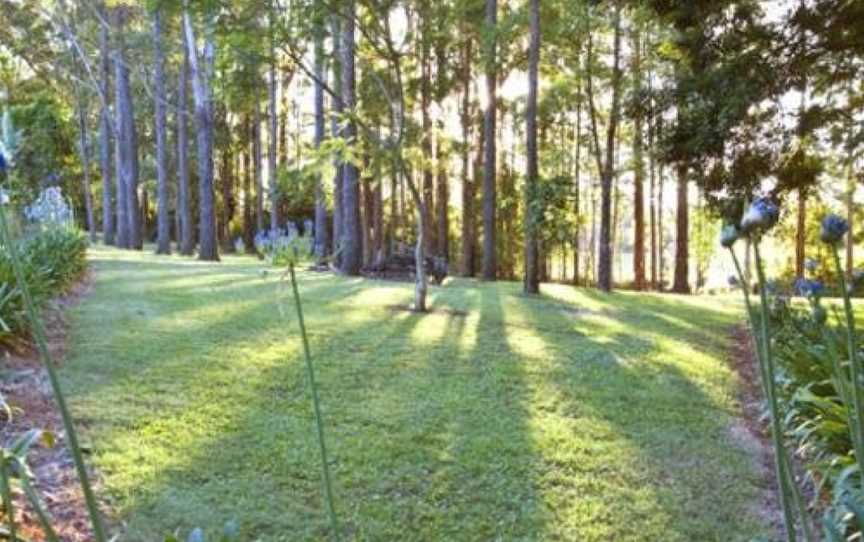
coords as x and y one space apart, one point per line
751 431
435 310
25 385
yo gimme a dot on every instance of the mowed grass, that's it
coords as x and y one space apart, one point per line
570 416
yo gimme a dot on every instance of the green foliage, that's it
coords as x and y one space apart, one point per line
52 259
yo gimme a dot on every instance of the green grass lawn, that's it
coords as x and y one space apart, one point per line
571 416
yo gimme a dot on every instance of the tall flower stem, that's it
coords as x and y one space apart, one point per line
854 369
48 362
781 463
319 421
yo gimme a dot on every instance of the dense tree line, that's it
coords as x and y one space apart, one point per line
507 138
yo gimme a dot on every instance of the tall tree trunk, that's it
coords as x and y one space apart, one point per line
352 249
366 210
227 184
428 132
128 137
652 198
320 198
442 200
184 206
378 220
163 226
204 126
604 264
801 233
490 264
638 169
532 213
275 219
108 231
681 283
248 227
338 108
577 183
469 242
259 166
85 165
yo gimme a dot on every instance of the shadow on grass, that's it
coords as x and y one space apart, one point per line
511 422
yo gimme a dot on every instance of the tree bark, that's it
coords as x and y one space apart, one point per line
200 75
681 282
248 152
427 132
442 200
638 168
801 233
469 242
352 249
490 264
532 213
163 226
338 108
108 230
320 199
577 184
275 222
85 166
128 138
184 208
259 166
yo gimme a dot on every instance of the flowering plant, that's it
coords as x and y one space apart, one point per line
761 216
833 229
50 208
282 246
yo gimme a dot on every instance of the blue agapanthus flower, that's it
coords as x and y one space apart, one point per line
809 288
728 235
2 163
833 229
761 216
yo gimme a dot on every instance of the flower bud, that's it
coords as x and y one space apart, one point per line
728 235
833 229
761 216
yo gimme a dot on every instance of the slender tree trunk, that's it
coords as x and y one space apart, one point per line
108 232
378 220
259 167
320 198
248 227
200 75
532 213
469 242
604 266
426 136
275 219
681 283
352 249
85 165
442 200
163 226
184 207
338 108
801 232
652 197
638 169
121 187
366 210
490 264
577 184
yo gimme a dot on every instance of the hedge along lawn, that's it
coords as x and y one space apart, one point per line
573 416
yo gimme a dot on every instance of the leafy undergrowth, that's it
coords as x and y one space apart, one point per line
574 416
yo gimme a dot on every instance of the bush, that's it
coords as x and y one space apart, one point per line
53 259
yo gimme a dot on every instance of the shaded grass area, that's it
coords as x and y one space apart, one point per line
572 416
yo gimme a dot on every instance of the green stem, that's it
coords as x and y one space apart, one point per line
319 422
6 489
776 426
854 369
45 354
751 317
44 518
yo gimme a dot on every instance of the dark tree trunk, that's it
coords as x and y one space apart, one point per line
184 207
228 202
681 284
85 166
490 264
248 226
426 137
207 246
339 170
352 249
378 220
275 220
366 215
532 213
652 197
259 167
442 199
604 264
638 169
577 184
801 233
320 199
163 226
108 232
469 241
